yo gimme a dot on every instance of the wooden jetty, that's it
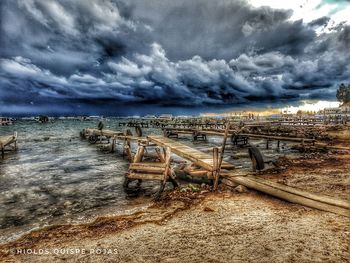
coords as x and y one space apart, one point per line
199 158
108 134
110 137
8 142
202 164
236 137
214 168
97 132
226 171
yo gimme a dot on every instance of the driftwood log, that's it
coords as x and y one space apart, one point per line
293 196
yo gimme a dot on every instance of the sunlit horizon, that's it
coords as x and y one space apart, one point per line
305 106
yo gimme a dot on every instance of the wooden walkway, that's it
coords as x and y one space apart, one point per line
220 132
107 133
116 135
195 156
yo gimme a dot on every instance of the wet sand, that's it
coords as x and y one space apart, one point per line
226 227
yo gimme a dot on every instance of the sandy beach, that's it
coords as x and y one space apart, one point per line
209 227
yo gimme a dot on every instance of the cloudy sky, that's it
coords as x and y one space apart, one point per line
125 57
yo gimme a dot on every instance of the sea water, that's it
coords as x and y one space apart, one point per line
55 177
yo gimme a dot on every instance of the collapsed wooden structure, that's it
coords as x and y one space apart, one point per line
237 138
110 137
215 169
8 142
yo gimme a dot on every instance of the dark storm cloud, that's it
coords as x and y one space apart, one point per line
218 29
322 21
88 55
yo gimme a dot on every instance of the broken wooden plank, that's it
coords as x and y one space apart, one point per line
145 176
151 168
316 197
197 157
282 193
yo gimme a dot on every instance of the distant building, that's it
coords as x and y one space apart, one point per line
330 111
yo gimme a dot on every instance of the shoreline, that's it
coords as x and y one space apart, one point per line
255 221
156 213
244 222
225 226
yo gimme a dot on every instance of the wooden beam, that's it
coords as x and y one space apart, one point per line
283 193
216 165
145 176
197 157
316 197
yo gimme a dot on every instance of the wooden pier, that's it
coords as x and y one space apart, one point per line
110 137
199 158
236 137
281 191
8 142
202 164
214 168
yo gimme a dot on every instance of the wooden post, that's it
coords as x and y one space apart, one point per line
267 144
215 167
221 156
128 152
167 164
15 138
139 154
160 155
113 144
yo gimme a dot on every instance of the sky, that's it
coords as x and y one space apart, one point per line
136 57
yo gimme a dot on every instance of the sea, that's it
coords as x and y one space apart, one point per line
55 177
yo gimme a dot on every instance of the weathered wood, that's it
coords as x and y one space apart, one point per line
220 132
216 165
219 159
283 194
195 172
118 135
7 141
160 155
107 133
147 167
197 157
146 176
127 151
223 147
316 197
149 164
167 164
278 138
113 144
139 154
